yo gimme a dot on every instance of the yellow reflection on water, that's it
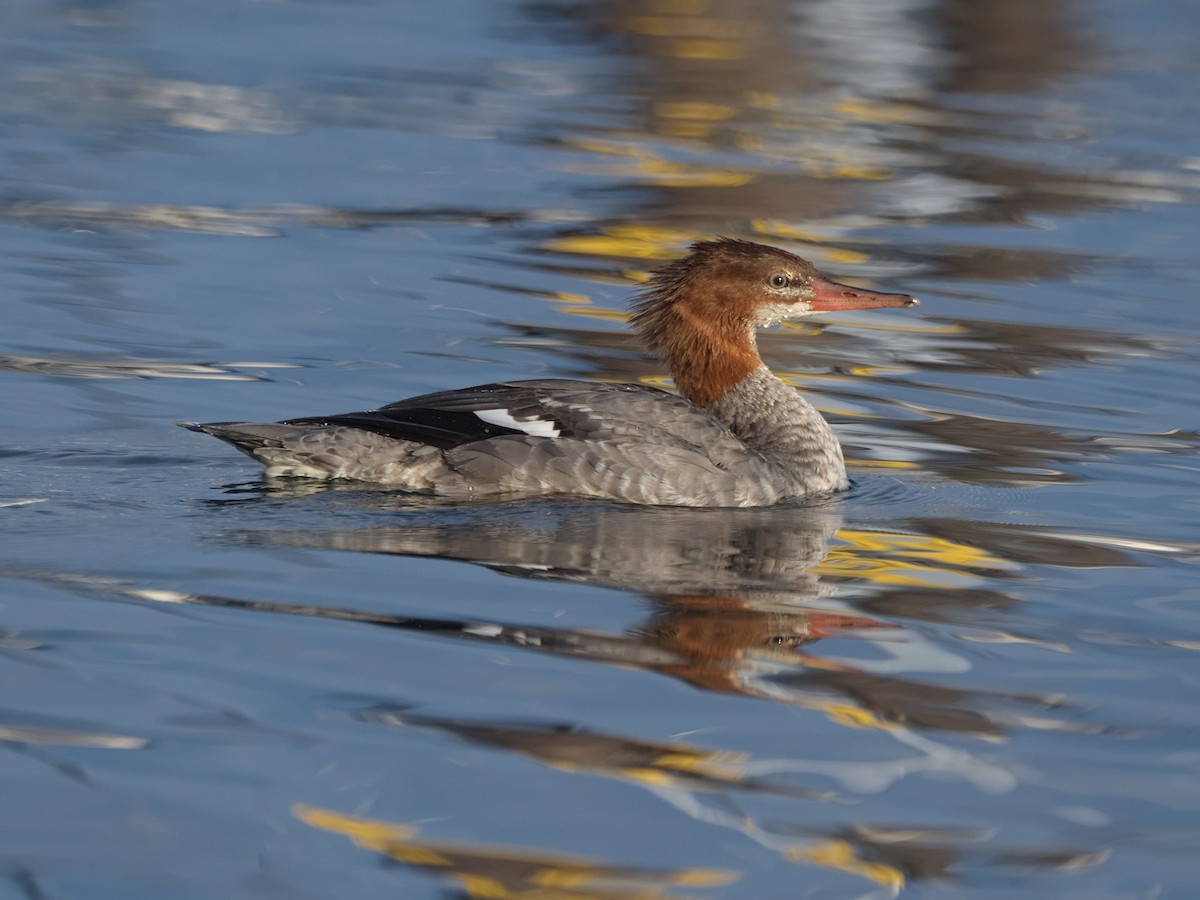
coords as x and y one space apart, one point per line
911 560
594 312
502 873
694 109
838 854
656 170
630 241
881 464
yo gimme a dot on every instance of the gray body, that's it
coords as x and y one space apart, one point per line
759 444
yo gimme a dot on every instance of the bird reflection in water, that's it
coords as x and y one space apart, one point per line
738 599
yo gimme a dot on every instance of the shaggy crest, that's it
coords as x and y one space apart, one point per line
654 307
698 312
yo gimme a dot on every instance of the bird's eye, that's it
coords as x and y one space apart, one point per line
779 280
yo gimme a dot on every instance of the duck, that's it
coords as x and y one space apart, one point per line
734 434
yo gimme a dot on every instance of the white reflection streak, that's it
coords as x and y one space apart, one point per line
688 803
861 777
65 737
909 651
136 368
1120 543
874 776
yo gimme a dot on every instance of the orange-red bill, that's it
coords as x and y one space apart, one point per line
829 295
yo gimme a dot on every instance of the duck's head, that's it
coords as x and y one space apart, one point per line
700 312
733 282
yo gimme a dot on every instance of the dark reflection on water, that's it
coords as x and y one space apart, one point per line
483 871
735 599
793 118
676 765
648 550
890 858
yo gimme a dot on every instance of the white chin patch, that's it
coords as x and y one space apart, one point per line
532 427
774 313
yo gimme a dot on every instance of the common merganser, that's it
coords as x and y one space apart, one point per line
738 436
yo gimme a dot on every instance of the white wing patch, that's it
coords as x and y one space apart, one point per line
533 427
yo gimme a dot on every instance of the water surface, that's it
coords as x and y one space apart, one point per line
974 674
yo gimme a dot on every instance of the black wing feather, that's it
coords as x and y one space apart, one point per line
447 419
510 395
437 427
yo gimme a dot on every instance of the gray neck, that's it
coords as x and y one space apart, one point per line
786 429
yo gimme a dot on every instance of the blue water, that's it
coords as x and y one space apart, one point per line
974 674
